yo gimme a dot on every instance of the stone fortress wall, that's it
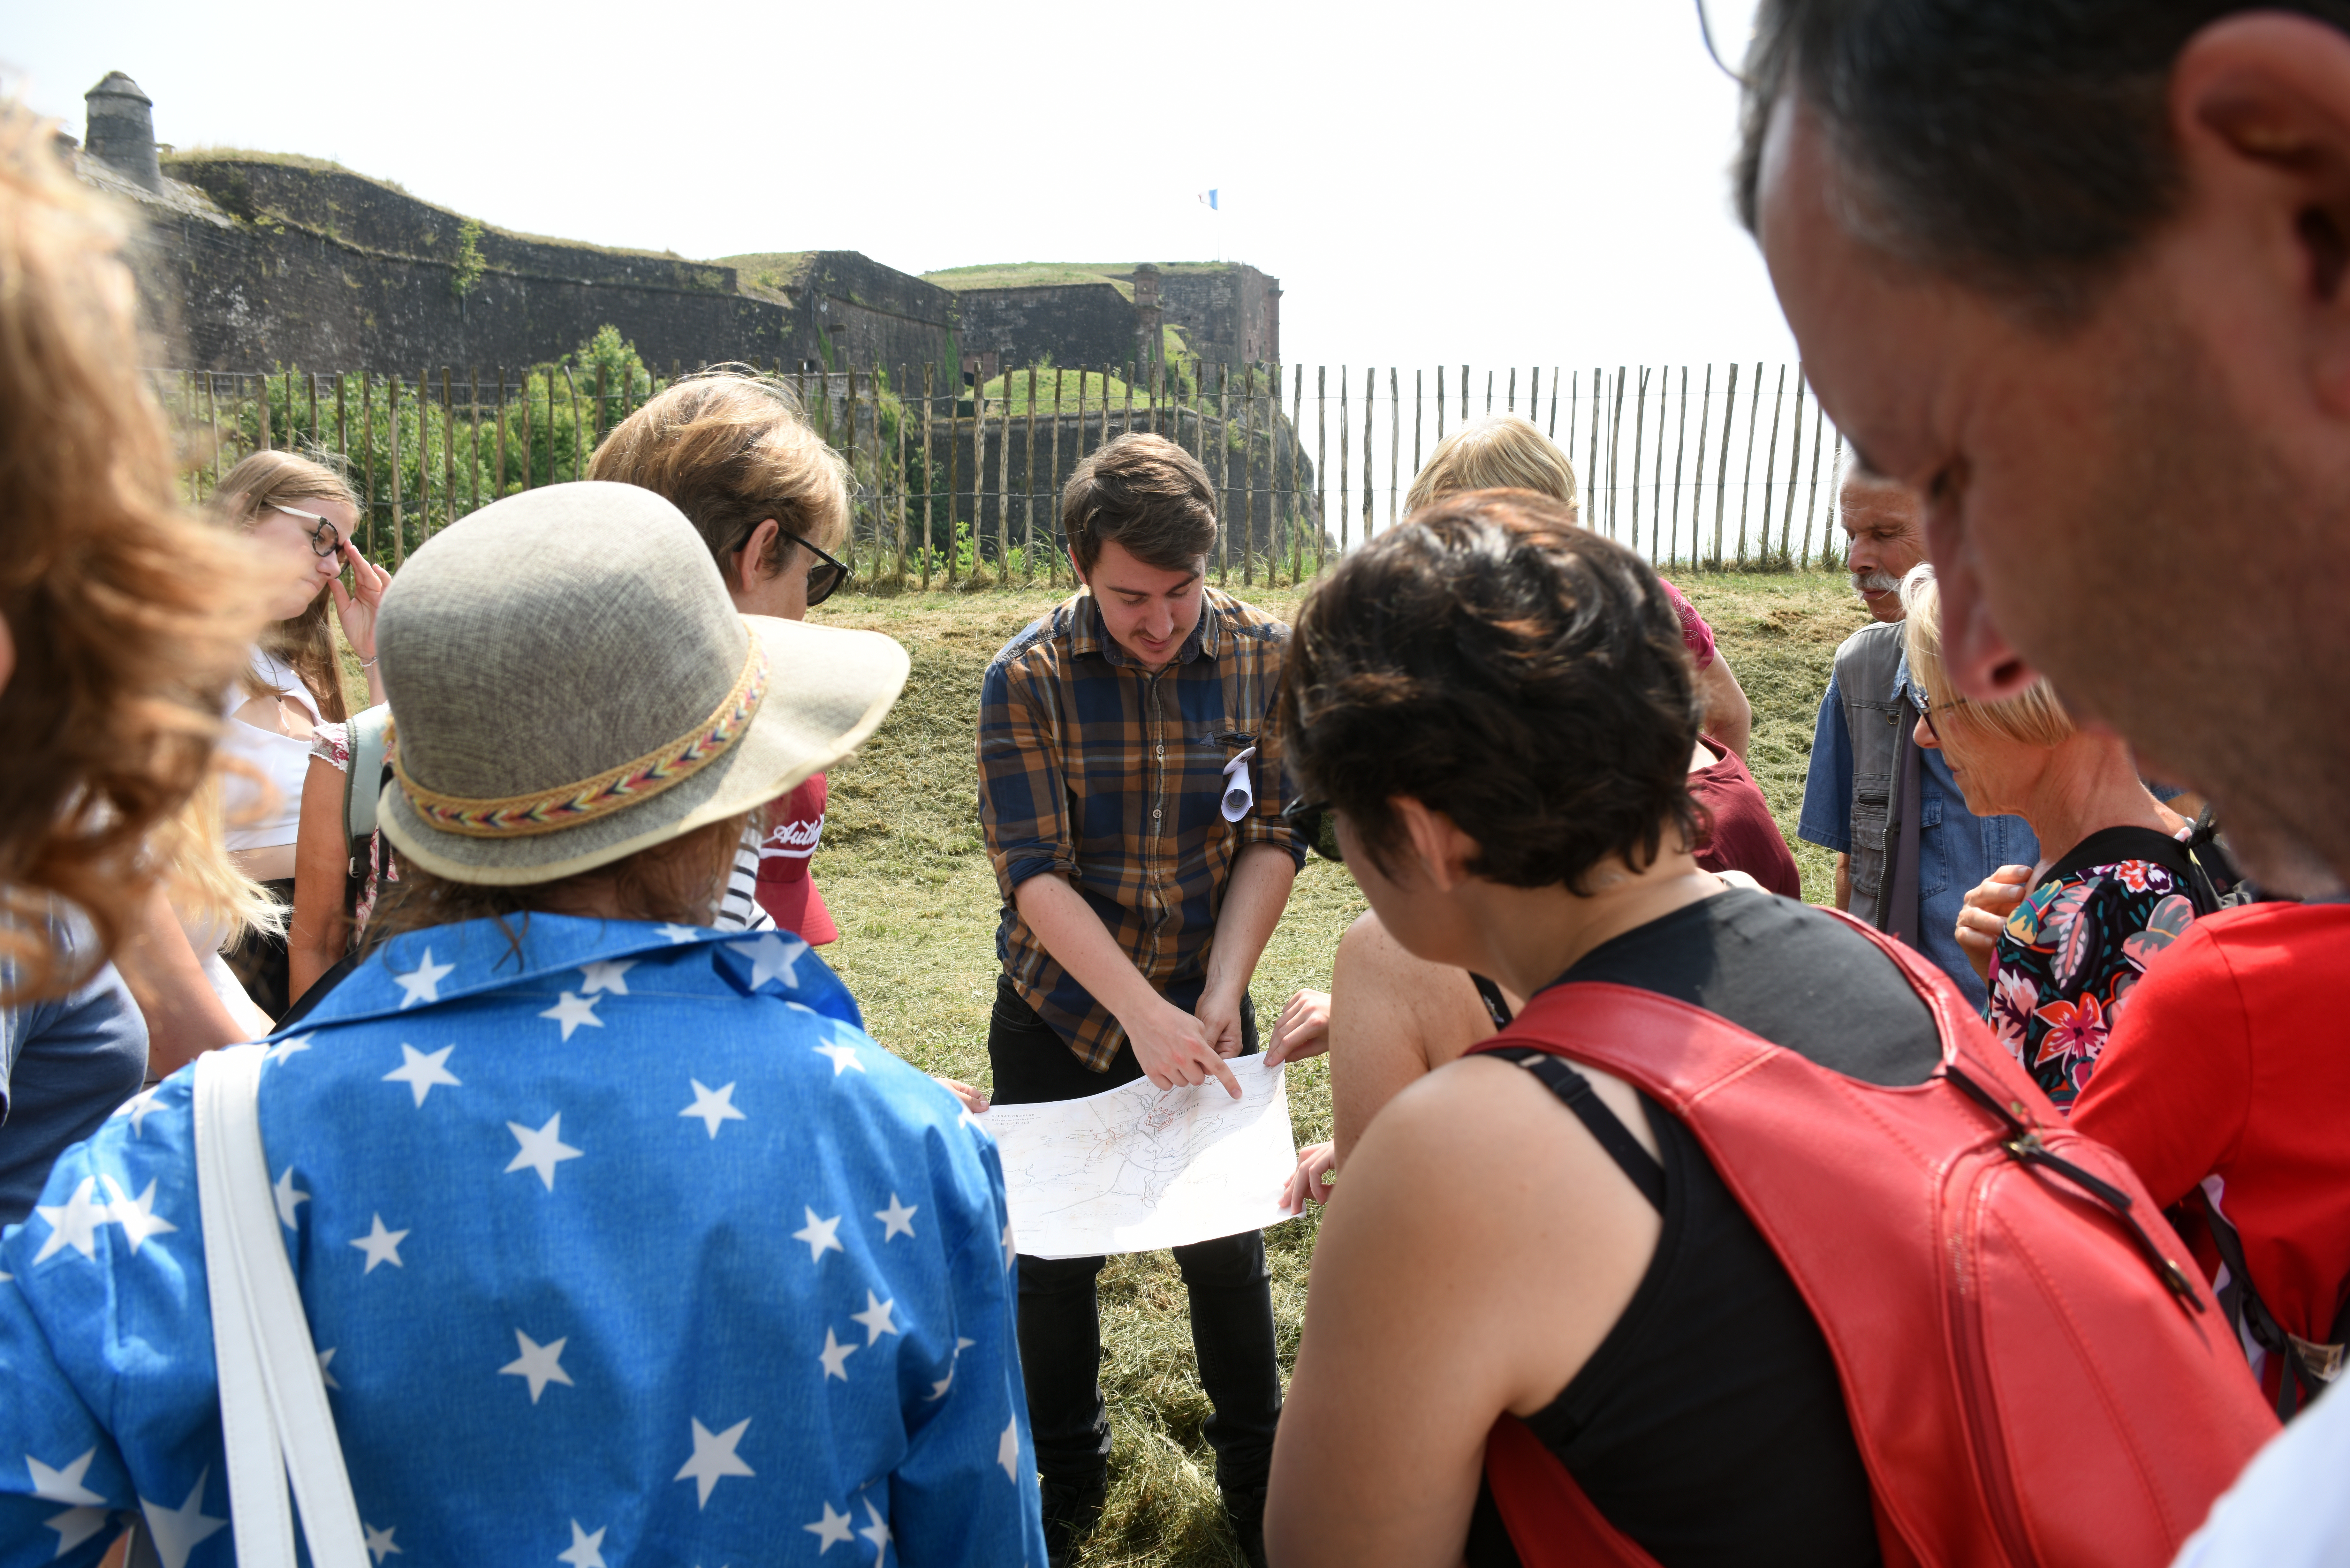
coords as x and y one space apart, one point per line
253 262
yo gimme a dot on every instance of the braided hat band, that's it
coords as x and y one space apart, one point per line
631 782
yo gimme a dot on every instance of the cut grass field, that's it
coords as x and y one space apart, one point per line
907 877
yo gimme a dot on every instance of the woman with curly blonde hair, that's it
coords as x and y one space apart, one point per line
122 618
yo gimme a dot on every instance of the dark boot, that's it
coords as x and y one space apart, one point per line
1071 1508
1245 1510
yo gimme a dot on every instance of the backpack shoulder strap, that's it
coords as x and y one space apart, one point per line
362 783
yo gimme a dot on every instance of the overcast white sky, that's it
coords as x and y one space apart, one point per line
1537 184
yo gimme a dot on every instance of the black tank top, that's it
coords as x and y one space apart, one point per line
1709 1425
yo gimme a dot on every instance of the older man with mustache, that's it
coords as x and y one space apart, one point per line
1907 850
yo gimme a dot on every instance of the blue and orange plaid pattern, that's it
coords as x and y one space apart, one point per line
1094 768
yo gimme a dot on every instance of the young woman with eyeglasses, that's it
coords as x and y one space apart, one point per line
301 514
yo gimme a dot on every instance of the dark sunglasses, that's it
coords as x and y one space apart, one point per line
1316 822
824 579
325 538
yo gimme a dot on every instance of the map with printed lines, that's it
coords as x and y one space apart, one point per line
1139 1168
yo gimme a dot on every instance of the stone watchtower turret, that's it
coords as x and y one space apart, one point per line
122 130
1146 316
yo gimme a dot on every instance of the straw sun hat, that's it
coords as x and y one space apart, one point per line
569 684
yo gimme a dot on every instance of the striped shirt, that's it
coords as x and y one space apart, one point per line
1113 777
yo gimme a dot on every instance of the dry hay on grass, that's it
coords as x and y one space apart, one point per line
904 871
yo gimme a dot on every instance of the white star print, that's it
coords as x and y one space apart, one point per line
326 1358
605 976
73 1223
773 958
875 1317
818 1235
289 1202
420 1071
179 1530
137 1216
939 1389
1007 1450
572 1011
835 1357
139 1107
422 983
844 1058
378 1542
382 1246
76 1525
876 1533
712 1105
832 1529
541 1150
65 1485
586 1551
897 1220
713 1458
539 1364
287 1047
677 934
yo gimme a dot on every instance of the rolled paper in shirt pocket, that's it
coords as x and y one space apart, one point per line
1240 794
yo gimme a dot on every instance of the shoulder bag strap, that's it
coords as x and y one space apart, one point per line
273 1414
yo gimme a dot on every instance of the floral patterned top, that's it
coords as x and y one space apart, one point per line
2076 945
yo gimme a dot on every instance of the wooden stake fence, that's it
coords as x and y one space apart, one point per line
427 447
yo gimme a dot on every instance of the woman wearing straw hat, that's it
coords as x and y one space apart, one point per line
616 1238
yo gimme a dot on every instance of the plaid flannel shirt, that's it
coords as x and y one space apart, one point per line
1112 777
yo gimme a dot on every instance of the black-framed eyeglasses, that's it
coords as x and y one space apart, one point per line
1316 822
326 539
824 579
1727 24
1926 707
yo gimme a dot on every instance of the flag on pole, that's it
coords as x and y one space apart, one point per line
1208 197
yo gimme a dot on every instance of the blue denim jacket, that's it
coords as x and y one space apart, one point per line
624 1245
1956 849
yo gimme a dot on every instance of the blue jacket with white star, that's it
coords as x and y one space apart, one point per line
619 1243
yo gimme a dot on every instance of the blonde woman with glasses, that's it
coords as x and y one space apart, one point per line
2097 913
301 514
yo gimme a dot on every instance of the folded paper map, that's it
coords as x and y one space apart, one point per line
1139 1168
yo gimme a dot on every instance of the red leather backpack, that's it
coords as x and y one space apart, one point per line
2035 1373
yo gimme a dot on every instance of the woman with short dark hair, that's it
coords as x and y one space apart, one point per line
1496 707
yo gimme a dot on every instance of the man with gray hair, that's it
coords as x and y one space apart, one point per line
1907 850
2076 273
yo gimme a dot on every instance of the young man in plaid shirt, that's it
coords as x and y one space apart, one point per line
1134 913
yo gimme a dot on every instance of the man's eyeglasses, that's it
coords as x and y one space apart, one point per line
1315 822
824 579
325 538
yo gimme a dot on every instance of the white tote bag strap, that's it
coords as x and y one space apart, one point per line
273 1413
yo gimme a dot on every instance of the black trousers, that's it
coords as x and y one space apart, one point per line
1060 1319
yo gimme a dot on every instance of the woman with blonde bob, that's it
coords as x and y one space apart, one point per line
2061 965
1504 451
122 619
299 514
